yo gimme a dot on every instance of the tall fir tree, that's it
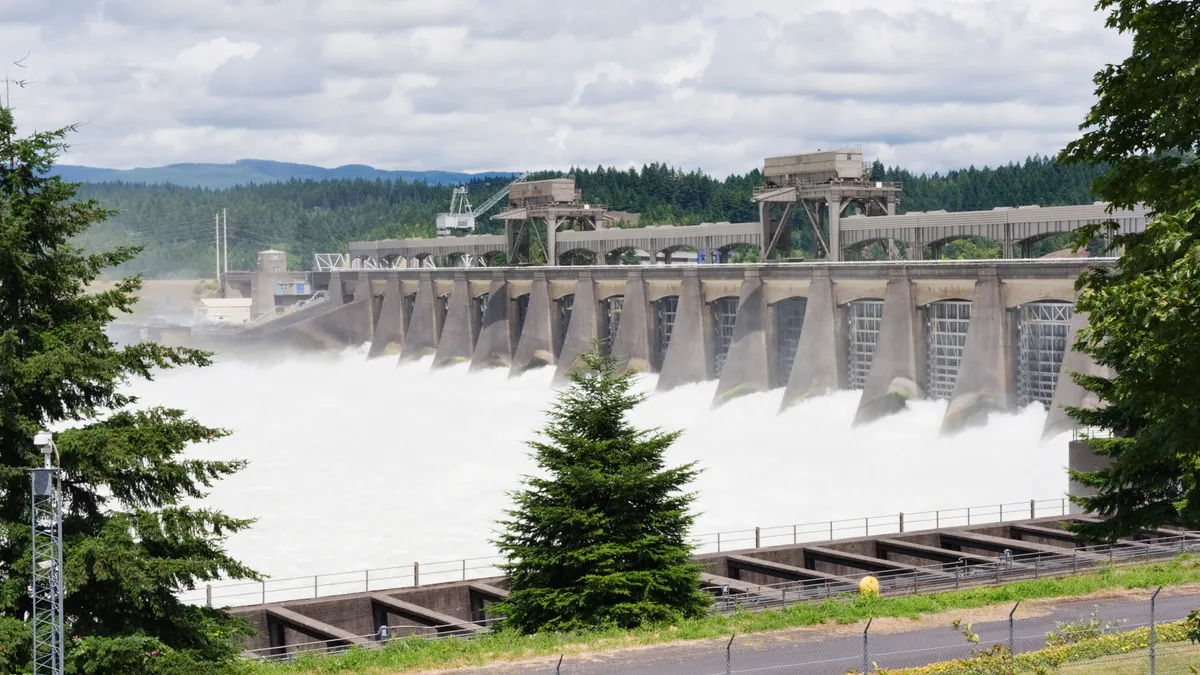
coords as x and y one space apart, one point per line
1144 312
602 539
131 541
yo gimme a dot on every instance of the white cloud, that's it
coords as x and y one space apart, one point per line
528 84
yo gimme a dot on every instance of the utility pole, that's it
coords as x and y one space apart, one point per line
47 583
217 225
225 220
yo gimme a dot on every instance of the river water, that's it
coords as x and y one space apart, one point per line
358 464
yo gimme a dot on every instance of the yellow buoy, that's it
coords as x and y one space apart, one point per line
868 586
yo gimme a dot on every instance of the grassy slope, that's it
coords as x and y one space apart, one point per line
418 653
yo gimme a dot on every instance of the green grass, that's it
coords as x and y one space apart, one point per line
418 653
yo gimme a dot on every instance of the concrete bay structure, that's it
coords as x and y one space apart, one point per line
986 335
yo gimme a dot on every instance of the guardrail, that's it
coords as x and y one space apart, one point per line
235 593
917 580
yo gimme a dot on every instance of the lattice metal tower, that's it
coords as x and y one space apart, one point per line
47 586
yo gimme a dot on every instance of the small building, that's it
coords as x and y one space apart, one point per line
816 167
272 261
543 192
227 311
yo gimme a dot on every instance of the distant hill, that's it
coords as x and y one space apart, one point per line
255 171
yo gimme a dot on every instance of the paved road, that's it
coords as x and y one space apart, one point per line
837 650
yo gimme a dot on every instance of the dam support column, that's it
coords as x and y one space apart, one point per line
820 355
535 347
984 383
455 346
689 355
746 369
389 329
895 366
494 348
1066 391
632 346
1081 457
583 330
421 338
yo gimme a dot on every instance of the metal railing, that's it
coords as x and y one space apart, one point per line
237 593
918 580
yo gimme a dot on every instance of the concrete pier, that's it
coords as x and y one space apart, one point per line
632 345
421 339
689 353
535 347
455 344
821 353
746 366
1067 393
896 364
583 330
984 381
494 349
388 336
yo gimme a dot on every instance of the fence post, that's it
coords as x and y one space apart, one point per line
464 569
416 575
1153 634
729 655
867 526
1012 642
367 580
1074 556
1002 513
866 648
1063 506
827 594
831 530
718 542
208 595
937 520
757 537
968 515
1032 509
264 591
902 522
315 593
1037 566
794 540
558 668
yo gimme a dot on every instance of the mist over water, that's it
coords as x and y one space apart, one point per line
359 464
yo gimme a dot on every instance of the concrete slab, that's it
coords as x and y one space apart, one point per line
782 571
931 552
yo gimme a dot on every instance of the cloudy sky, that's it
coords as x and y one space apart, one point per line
530 84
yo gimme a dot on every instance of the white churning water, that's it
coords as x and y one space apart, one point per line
358 464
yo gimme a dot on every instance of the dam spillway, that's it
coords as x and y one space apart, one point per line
986 335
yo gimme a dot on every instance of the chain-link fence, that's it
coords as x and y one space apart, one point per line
1118 636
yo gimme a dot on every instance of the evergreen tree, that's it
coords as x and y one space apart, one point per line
1144 313
603 538
131 544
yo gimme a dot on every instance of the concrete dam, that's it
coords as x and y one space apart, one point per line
986 335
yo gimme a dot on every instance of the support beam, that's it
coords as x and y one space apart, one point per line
317 629
389 330
739 586
746 370
428 617
820 354
984 382
945 555
493 349
583 330
455 343
632 345
782 571
895 366
488 591
422 338
535 346
998 544
862 562
689 355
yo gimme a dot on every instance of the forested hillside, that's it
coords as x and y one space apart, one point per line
175 224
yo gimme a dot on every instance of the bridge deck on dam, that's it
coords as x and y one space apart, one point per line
909 562
986 335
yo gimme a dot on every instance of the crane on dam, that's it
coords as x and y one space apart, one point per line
462 216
